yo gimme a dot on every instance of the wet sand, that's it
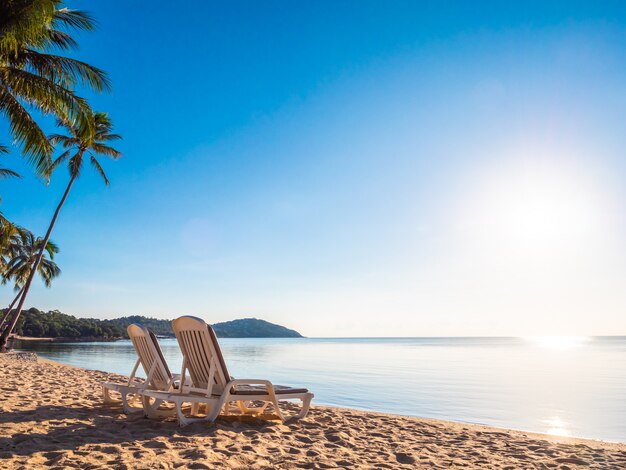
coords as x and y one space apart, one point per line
52 415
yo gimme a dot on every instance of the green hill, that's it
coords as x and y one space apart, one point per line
253 328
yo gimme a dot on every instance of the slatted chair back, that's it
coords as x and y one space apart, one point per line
150 356
202 356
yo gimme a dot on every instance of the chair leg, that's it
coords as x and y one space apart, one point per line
246 409
128 408
306 404
213 410
106 395
182 419
277 410
185 420
151 410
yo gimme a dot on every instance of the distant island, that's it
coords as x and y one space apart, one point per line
55 326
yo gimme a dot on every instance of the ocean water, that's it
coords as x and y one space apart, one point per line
564 386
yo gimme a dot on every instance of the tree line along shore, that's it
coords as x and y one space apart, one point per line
54 325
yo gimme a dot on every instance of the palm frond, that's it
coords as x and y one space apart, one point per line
6 173
25 131
60 40
64 70
23 21
51 248
47 95
102 149
65 141
99 169
73 19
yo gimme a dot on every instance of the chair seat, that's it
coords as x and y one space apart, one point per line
118 387
260 390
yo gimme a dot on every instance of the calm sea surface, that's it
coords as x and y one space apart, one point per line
566 386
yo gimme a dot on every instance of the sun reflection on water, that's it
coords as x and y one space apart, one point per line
557 427
558 343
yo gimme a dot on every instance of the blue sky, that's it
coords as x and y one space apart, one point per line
351 168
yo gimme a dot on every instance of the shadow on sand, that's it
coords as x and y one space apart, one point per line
71 428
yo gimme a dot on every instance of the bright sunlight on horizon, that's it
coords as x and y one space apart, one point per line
427 173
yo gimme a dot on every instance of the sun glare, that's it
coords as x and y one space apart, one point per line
558 343
539 210
557 427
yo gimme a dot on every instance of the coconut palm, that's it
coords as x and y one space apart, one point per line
17 245
31 77
83 141
22 252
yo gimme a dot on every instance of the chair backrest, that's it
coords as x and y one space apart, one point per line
202 354
150 355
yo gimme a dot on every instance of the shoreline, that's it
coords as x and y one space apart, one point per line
52 414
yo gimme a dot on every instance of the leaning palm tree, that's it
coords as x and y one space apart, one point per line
31 77
82 142
23 252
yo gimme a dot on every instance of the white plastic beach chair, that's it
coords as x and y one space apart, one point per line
213 386
158 375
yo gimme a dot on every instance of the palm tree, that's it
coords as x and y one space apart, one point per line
22 252
31 77
87 140
18 267
17 243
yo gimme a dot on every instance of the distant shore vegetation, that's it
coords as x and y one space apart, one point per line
54 324
34 323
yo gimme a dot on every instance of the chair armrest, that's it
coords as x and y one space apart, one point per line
269 388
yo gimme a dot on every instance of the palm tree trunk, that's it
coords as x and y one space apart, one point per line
4 336
8 314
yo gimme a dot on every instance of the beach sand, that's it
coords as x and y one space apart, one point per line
52 415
